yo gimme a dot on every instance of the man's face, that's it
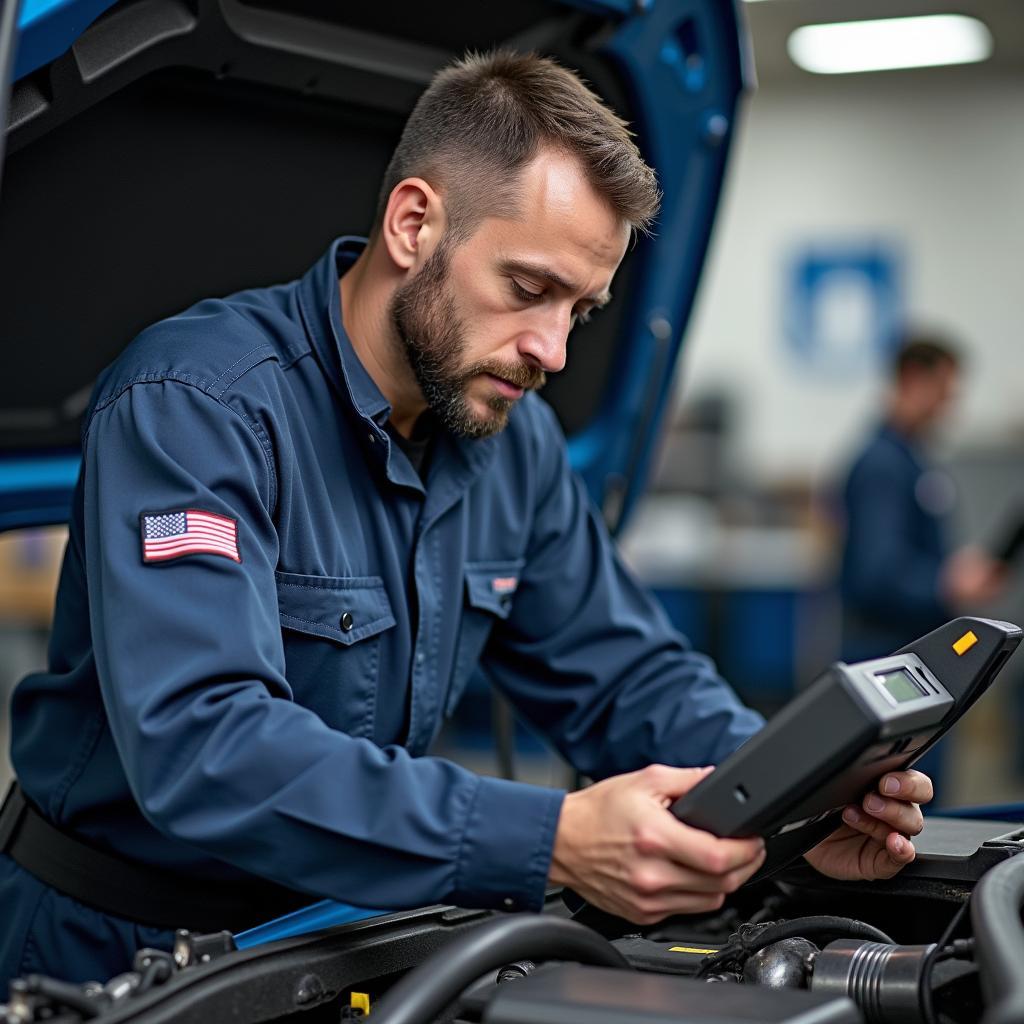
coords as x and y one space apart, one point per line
482 322
933 392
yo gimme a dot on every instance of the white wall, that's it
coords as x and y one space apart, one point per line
933 161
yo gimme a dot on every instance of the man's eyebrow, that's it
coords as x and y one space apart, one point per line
538 270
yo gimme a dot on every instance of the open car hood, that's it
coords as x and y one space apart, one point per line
160 151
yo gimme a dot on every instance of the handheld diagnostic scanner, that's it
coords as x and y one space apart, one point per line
829 746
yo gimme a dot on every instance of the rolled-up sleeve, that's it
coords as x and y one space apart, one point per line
192 671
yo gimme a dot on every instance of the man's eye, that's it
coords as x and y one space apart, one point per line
522 293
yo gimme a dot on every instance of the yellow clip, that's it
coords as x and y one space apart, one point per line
690 949
360 1001
965 643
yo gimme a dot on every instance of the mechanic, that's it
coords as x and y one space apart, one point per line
899 578
305 515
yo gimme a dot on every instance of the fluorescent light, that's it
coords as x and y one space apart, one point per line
889 43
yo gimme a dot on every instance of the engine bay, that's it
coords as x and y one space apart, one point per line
940 942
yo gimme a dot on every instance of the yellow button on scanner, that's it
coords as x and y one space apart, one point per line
360 1001
965 643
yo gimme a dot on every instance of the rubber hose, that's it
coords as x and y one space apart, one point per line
821 927
999 940
427 989
66 994
817 928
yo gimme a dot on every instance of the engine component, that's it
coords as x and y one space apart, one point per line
593 995
681 956
785 964
750 938
191 948
995 915
425 991
883 980
515 971
38 998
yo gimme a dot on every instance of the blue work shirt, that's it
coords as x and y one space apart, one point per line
896 509
271 715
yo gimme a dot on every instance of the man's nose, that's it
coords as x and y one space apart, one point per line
544 346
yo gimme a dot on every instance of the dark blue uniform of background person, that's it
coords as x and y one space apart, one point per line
896 512
900 578
301 757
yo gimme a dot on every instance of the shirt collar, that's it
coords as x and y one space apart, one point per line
320 299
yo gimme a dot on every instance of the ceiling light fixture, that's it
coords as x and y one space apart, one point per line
889 43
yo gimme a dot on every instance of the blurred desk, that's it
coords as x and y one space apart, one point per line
29 567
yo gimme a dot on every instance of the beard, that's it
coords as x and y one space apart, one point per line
433 341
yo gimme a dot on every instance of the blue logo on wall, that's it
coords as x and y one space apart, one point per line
843 310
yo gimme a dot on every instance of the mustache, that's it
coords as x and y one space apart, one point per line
520 375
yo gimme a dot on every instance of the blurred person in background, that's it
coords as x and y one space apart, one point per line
900 576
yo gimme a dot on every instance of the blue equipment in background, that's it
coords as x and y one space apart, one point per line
844 308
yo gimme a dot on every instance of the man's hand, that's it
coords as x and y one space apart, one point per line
971 578
617 846
875 840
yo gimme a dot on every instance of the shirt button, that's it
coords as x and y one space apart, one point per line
371 437
347 622
420 658
508 903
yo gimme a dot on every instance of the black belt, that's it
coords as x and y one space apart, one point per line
138 892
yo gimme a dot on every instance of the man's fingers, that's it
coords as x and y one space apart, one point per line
878 826
900 848
910 786
899 816
697 895
653 910
897 852
685 893
866 824
655 877
693 848
892 849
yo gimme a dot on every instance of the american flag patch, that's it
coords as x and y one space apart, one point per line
190 532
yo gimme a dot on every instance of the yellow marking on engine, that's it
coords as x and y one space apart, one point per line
690 949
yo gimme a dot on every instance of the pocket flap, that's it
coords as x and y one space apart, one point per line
344 609
491 585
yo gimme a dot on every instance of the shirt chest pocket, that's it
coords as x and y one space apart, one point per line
489 590
333 630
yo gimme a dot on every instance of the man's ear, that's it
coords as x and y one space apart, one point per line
414 221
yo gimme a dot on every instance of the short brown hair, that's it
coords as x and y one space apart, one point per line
484 117
924 352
